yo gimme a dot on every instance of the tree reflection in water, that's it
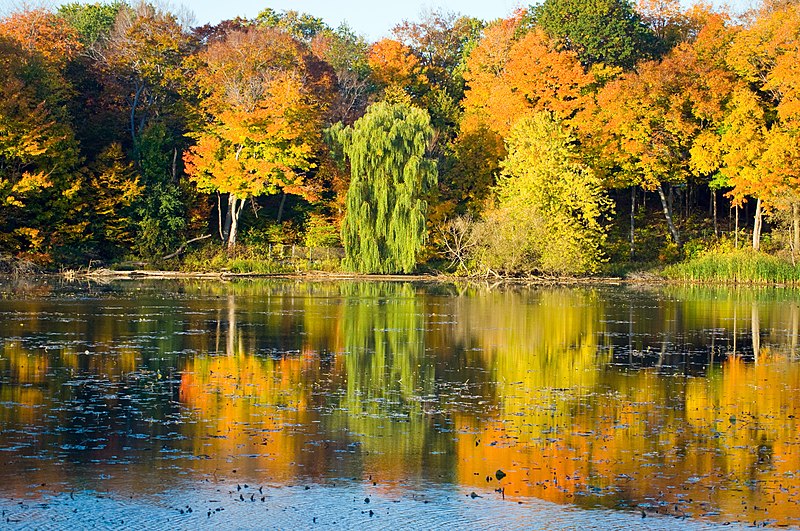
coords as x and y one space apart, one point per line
673 400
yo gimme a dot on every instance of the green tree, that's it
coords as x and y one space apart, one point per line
161 209
599 31
550 205
384 227
91 21
299 25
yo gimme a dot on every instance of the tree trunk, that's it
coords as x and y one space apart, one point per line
226 227
665 204
736 229
235 206
714 212
757 226
219 216
280 208
633 220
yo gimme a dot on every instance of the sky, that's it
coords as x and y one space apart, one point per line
371 18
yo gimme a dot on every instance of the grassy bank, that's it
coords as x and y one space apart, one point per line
260 259
742 266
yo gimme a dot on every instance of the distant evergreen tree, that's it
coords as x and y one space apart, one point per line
384 228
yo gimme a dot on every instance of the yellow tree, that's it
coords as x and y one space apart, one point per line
263 108
550 206
755 148
38 151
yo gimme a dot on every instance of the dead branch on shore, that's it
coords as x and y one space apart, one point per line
183 247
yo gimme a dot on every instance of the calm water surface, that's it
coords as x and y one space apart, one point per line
293 404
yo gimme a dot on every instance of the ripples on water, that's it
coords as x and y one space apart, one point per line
447 405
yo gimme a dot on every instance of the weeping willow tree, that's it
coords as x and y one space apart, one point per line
384 227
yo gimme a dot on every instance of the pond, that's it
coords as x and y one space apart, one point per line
292 404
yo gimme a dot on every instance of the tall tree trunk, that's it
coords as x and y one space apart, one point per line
714 212
757 226
666 206
280 208
219 216
234 208
633 220
226 227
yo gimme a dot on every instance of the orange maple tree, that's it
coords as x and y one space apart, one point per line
396 68
263 120
510 76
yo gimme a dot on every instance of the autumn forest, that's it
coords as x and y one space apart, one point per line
571 137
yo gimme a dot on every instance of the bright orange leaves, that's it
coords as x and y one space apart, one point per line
395 66
509 77
263 120
44 33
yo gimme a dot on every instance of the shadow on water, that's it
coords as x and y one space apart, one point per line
577 405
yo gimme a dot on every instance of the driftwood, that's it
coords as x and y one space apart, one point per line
183 247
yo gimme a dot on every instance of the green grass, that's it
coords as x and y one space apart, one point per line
742 266
257 259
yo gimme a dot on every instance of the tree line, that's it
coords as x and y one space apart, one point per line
566 135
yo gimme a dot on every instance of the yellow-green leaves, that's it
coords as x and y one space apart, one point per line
550 205
384 228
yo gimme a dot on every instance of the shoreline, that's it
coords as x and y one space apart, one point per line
328 276
642 278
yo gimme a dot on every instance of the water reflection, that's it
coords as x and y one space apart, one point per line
678 401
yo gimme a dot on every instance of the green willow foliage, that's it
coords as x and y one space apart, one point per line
384 228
